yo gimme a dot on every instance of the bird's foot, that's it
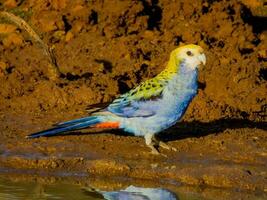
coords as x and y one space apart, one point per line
165 146
155 151
149 139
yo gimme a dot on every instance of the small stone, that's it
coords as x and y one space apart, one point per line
81 159
127 56
262 54
69 36
77 27
59 35
3 67
48 24
148 34
255 138
154 165
54 164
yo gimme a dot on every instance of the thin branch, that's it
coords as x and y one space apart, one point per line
47 51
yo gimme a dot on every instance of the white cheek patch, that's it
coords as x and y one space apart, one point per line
191 62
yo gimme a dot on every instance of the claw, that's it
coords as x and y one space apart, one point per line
165 146
151 142
153 150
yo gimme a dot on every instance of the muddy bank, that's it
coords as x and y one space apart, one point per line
224 157
221 141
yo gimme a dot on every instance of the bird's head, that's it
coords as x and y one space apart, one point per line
192 56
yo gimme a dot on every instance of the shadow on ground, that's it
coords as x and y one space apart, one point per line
199 129
184 129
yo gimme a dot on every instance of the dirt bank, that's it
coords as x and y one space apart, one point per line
103 48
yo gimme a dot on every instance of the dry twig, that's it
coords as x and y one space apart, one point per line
48 51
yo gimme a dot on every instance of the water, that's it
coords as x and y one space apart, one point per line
46 188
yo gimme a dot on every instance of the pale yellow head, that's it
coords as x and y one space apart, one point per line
191 55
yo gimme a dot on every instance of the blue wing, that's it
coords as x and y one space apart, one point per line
143 101
133 109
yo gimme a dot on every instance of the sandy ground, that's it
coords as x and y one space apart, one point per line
104 48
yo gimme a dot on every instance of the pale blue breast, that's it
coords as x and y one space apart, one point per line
175 99
178 94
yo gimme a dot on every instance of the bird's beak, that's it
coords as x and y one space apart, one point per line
202 58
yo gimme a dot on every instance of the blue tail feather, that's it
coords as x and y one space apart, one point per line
75 121
67 126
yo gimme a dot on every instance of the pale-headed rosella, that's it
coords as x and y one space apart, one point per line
153 106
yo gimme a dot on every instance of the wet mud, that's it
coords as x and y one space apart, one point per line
104 48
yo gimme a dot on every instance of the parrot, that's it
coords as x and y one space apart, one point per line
153 106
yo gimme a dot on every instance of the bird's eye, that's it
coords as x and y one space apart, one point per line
189 53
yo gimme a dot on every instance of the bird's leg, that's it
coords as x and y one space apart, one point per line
150 143
163 144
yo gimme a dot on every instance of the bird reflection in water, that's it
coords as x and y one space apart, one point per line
132 193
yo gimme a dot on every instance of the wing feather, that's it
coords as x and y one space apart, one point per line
134 103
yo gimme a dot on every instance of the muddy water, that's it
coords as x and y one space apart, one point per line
30 187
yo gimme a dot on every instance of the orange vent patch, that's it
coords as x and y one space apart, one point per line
107 125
